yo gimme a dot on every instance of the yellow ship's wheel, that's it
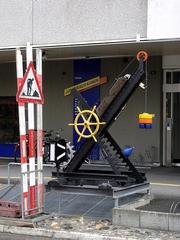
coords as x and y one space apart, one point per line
89 119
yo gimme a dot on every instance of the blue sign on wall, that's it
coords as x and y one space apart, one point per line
84 70
8 150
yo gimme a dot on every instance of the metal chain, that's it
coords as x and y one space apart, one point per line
124 69
146 89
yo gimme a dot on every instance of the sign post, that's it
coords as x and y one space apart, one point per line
30 93
39 132
22 132
28 86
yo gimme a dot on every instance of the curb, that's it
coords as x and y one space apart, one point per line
130 216
52 234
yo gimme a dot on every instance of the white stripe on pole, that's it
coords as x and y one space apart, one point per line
24 168
19 67
30 115
22 121
22 133
23 145
39 133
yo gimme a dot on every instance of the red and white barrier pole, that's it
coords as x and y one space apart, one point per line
31 132
39 133
32 193
22 132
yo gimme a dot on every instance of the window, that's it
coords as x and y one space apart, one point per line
9 125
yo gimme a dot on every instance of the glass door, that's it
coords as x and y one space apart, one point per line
171 118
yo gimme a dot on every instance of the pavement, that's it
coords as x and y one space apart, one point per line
16 233
165 184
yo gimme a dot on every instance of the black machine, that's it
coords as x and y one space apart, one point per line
122 171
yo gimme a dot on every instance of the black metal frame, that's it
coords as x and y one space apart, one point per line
132 175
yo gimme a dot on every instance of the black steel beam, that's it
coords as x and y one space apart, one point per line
109 117
92 176
134 172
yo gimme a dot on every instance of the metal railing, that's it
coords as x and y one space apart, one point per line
19 164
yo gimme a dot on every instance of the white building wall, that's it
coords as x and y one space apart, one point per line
75 21
87 21
163 19
171 62
70 21
15 22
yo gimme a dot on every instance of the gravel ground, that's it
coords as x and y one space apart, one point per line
104 228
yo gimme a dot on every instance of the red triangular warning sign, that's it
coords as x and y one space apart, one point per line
30 90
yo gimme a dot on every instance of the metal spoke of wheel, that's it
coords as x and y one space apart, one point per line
94 108
91 124
79 110
84 128
92 134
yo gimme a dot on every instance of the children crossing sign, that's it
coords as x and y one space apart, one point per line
30 90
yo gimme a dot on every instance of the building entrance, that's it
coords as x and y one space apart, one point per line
171 118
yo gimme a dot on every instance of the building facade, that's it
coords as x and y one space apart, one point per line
112 31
